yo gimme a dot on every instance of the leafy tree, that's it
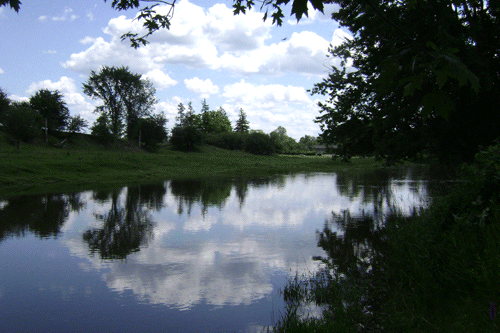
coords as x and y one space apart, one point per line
51 106
77 124
153 131
282 142
21 123
307 142
242 124
215 122
101 129
126 97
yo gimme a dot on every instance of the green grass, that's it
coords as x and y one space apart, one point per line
84 164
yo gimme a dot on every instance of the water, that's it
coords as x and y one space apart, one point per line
179 256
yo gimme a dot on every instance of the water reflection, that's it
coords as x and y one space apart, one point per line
42 215
219 243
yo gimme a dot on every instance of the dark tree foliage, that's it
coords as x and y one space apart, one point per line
4 103
259 143
21 123
242 124
414 78
126 97
153 131
187 138
77 124
101 130
51 106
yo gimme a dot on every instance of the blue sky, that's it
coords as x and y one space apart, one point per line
232 61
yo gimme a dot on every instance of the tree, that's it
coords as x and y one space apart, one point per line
242 124
181 114
259 143
51 106
77 124
4 103
126 97
21 123
215 122
204 106
153 131
307 142
282 142
101 129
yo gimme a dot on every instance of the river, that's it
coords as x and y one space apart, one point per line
205 255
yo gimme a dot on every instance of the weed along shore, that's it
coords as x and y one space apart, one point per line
39 167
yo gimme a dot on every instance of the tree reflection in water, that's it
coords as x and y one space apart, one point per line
44 217
125 229
343 287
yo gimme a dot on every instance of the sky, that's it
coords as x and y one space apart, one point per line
208 53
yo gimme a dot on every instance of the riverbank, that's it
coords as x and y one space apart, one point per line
435 271
83 164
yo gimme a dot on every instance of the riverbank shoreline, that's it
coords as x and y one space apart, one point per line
40 168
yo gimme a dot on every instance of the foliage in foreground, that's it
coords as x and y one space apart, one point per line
434 272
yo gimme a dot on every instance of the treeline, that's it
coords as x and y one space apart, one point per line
126 112
214 128
44 113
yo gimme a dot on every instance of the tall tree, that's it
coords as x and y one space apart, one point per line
181 114
52 107
242 124
126 97
204 106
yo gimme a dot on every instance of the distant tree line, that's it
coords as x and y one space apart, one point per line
214 128
126 113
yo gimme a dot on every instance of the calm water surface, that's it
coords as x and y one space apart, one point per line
179 256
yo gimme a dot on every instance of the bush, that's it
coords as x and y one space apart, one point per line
227 140
186 138
259 143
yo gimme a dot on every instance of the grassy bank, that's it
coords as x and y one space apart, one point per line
83 164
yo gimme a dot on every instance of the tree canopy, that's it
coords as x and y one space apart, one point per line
126 97
51 106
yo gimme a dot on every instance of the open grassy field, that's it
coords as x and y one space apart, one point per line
84 164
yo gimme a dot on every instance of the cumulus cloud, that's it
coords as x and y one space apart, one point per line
274 93
160 79
1 71
212 39
203 87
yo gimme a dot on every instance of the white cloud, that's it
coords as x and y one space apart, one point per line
274 93
1 71
50 52
203 87
213 39
42 18
160 79
67 15
87 40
